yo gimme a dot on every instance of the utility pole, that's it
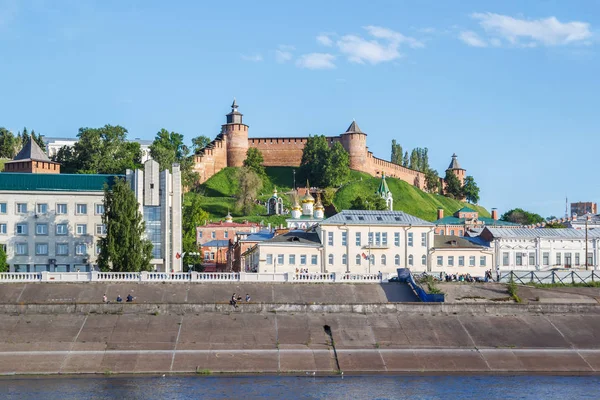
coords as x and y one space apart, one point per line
586 243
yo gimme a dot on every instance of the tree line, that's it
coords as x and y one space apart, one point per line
11 144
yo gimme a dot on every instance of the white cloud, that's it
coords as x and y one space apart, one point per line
472 39
282 56
548 31
316 61
252 57
325 40
385 46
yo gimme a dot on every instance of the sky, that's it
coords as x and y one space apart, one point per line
511 87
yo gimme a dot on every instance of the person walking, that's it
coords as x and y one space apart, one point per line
104 298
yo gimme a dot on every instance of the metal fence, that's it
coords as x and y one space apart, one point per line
550 277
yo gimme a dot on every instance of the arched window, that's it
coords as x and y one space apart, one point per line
424 260
383 259
452 232
410 260
372 259
358 257
397 259
331 259
344 259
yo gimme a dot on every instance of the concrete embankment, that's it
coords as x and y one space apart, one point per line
75 336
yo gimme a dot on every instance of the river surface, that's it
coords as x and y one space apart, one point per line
302 387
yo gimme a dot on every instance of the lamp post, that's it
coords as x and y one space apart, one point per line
586 244
294 172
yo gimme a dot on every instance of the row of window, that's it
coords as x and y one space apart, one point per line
529 258
213 234
22 229
461 261
382 259
314 259
61 249
376 239
61 208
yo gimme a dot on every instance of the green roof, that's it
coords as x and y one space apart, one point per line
56 182
466 209
461 221
383 187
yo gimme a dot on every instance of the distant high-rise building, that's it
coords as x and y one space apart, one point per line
584 207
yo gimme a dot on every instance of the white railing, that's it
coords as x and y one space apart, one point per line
175 277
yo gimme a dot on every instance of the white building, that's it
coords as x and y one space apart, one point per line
542 248
52 222
375 241
53 144
459 255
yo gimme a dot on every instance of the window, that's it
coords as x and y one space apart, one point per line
213 235
62 249
100 229
471 261
99 209
397 239
410 260
410 239
424 239
482 261
372 259
292 259
440 261
423 259
199 234
370 238
377 238
98 248
358 259
21 208
314 259
21 249
505 258
397 259
225 235
344 238
61 229
451 261
81 209
21 229
567 258
383 259
344 259
80 249
531 258
303 259
42 208
330 258
41 249
61 208
452 232
2 208
519 259
577 261
41 229
280 259
461 261
384 238
358 239
330 238
558 259
546 258
590 258
207 255
3 229
81 229
269 259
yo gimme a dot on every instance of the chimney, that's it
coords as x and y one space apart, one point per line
574 217
440 213
494 214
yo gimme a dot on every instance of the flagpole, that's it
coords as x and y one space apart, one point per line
370 244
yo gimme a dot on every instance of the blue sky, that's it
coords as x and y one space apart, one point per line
510 86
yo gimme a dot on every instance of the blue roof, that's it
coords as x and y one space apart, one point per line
216 243
259 236
56 182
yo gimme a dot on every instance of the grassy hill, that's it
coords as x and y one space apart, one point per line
218 195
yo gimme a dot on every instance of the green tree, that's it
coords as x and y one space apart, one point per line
470 190
396 153
453 188
322 165
370 202
8 144
249 185
193 216
3 264
167 148
554 225
405 160
200 142
39 140
520 216
254 160
432 181
124 248
67 159
414 159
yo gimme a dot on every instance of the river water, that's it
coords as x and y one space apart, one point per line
302 387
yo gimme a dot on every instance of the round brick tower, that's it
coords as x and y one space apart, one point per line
236 133
456 169
355 142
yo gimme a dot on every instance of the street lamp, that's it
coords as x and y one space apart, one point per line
294 172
